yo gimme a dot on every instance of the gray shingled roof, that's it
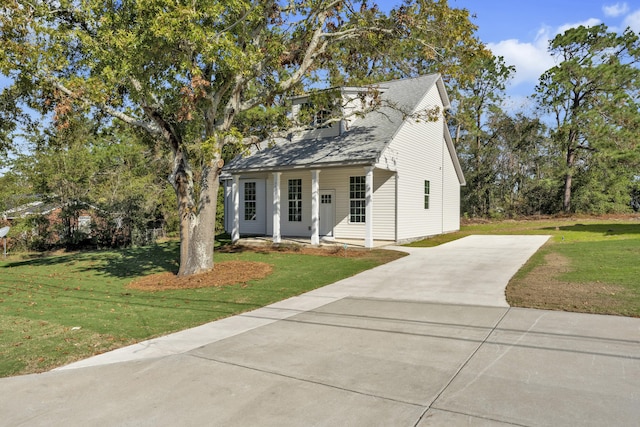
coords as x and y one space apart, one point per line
33 208
361 144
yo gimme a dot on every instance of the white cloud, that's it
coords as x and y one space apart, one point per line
633 21
592 22
615 10
531 59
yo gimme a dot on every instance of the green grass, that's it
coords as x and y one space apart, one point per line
57 309
612 261
568 230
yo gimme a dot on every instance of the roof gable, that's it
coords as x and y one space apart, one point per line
362 143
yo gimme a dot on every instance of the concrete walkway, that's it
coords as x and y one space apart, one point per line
398 356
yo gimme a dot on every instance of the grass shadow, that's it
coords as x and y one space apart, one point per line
604 229
135 262
130 262
124 263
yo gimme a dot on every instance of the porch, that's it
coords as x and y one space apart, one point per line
262 209
306 241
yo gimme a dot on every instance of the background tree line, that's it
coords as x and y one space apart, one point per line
577 151
135 92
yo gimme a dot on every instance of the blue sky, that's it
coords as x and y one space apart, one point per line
520 30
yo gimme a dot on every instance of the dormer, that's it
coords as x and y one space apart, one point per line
331 112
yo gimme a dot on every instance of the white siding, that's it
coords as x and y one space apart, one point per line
420 147
288 228
353 100
388 159
337 179
451 212
384 205
351 105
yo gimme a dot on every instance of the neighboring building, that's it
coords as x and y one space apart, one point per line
53 213
386 174
29 209
49 222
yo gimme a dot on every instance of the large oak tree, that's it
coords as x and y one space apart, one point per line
198 76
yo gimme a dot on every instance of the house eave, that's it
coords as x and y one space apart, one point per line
454 156
442 91
310 166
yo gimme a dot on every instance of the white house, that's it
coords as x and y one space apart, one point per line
388 174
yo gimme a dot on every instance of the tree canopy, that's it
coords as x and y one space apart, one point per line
198 82
199 76
577 152
593 95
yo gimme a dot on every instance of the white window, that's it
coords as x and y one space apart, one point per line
295 200
357 199
249 201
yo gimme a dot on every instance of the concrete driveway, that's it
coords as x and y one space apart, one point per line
398 355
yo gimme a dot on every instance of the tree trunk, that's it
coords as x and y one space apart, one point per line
197 216
566 201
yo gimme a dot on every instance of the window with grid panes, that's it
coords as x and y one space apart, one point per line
426 194
249 201
357 199
295 200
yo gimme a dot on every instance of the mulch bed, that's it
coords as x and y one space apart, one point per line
227 273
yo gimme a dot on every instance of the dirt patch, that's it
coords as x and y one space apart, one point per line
542 288
236 272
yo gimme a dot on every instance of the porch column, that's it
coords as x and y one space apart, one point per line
235 198
315 207
276 207
368 234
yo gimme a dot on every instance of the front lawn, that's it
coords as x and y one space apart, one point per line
58 309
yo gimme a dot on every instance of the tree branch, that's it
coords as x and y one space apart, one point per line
315 47
149 127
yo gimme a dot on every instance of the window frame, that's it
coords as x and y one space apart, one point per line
358 199
427 193
250 201
294 198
